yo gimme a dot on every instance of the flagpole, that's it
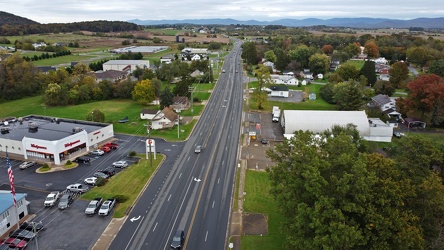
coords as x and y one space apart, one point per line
11 183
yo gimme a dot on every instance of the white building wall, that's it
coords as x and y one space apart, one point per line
100 135
10 218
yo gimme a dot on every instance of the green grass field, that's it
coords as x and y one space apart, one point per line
128 182
259 200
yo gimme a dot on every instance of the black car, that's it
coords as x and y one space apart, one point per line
108 171
82 159
99 174
178 240
264 141
22 234
32 226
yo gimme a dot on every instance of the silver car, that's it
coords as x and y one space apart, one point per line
27 164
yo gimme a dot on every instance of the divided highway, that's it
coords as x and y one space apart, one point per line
194 193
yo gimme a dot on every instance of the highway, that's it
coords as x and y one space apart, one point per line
194 193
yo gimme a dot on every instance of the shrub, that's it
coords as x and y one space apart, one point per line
68 162
132 153
120 198
101 181
45 167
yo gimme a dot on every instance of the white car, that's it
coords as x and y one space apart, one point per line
98 152
90 181
120 164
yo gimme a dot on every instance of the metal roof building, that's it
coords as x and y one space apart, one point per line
317 121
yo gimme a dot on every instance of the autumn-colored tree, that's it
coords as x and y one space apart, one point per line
371 49
352 49
263 77
398 73
143 92
426 98
327 49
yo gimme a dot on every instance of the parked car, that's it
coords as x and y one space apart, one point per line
120 164
93 206
178 239
22 234
90 181
108 171
98 152
100 175
264 141
105 149
32 226
65 201
77 188
126 119
106 207
83 159
198 149
398 134
27 164
111 145
52 199
14 243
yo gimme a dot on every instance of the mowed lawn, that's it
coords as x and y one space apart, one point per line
259 200
129 182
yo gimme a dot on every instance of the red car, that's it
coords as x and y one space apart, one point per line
111 145
106 149
15 243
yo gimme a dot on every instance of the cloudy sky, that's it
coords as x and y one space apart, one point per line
58 11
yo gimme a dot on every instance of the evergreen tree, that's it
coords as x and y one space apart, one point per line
368 70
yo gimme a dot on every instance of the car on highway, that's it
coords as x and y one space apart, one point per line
178 240
32 226
27 164
101 175
223 71
77 188
120 164
22 234
98 152
90 181
14 243
83 159
65 201
198 149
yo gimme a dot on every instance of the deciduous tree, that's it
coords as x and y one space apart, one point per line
264 80
348 71
327 49
437 67
143 92
398 73
270 56
384 88
349 96
371 49
319 63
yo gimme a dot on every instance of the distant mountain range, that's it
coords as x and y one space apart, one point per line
361 22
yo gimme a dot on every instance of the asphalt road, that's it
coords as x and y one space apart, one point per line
71 228
194 193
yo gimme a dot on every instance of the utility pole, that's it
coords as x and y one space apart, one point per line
191 89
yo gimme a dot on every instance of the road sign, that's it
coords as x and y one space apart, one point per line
258 126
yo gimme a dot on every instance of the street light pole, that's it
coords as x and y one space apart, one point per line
191 89
178 126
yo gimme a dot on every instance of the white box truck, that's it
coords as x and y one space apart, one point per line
276 114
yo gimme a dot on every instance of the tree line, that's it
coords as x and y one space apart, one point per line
335 193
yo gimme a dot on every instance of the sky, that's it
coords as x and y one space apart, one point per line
66 11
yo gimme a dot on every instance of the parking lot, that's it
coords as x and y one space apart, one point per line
69 228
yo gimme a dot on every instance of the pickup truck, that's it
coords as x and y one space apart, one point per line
52 199
93 206
106 207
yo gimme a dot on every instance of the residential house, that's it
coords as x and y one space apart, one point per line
110 75
9 214
334 65
166 59
181 103
269 65
196 57
380 60
197 73
38 45
45 69
149 114
384 102
279 91
307 74
287 79
166 119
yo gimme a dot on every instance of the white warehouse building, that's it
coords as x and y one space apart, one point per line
126 65
317 121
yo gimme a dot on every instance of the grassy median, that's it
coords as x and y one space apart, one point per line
128 183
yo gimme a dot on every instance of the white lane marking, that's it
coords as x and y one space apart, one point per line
134 234
218 180
155 227
180 175
206 235
169 198
213 205
188 158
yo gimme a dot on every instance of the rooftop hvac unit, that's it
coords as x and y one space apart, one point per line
4 130
77 130
32 127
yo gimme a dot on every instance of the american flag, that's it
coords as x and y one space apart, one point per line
11 178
